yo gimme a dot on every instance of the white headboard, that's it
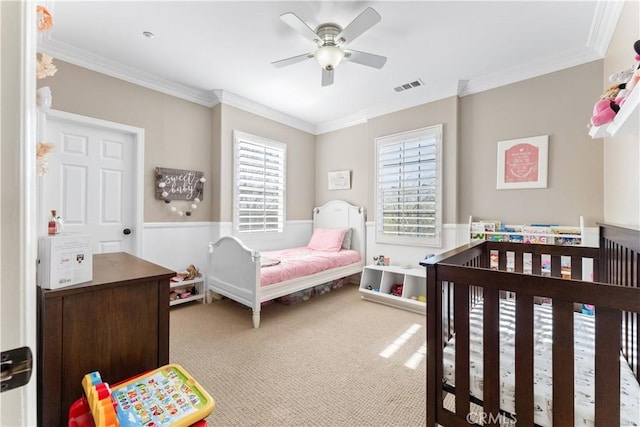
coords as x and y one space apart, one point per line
340 214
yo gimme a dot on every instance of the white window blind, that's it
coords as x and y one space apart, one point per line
409 192
259 184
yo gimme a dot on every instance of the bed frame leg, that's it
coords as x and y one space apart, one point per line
256 319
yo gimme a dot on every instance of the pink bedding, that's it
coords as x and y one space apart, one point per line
302 261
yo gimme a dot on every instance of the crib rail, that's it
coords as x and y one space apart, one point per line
620 265
458 279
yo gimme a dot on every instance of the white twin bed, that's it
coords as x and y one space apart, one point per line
251 277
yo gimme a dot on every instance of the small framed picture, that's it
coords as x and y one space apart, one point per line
522 163
340 180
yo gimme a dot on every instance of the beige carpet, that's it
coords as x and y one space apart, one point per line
316 363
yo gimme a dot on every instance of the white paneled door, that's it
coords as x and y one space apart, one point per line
91 181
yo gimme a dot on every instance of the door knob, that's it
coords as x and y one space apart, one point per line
126 231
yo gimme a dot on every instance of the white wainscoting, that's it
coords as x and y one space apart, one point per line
175 245
453 235
296 233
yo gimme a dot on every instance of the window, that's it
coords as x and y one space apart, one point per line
409 178
259 170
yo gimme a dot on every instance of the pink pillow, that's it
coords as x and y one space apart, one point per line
327 239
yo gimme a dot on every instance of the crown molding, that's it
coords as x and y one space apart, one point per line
551 64
605 19
345 122
603 26
207 98
100 64
228 98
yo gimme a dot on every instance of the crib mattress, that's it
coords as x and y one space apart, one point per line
584 337
298 262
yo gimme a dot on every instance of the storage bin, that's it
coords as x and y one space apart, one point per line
296 297
338 283
322 288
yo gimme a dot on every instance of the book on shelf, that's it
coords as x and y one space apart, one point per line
549 234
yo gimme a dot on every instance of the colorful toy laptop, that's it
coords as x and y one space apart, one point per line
164 396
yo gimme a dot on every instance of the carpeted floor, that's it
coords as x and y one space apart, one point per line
315 363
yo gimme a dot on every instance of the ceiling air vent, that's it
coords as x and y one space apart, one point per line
408 86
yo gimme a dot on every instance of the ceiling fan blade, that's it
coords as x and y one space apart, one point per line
293 60
298 24
364 58
367 19
327 77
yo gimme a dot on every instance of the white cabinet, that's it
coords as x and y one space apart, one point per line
627 120
197 284
378 283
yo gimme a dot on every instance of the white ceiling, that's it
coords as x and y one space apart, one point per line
221 51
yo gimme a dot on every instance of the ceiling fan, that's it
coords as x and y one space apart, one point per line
331 40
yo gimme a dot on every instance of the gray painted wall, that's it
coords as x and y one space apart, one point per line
184 135
300 161
177 132
354 149
344 149
442 112
559 105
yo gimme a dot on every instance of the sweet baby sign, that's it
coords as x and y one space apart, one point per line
178 184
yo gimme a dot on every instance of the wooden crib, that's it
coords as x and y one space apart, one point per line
463 279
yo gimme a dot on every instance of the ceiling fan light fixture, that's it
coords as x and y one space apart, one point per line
329 57
330 38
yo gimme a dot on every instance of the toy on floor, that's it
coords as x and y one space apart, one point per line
164 396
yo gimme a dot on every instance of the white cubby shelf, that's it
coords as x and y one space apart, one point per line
377 281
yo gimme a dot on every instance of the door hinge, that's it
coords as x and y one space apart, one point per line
15 368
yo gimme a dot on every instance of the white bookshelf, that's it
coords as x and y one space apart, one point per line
549 234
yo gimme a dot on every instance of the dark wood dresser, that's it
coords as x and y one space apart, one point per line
117 324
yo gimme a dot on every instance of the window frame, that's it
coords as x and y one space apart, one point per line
434 131
238 138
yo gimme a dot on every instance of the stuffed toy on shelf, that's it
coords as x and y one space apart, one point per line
605 110
614 97
635 77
